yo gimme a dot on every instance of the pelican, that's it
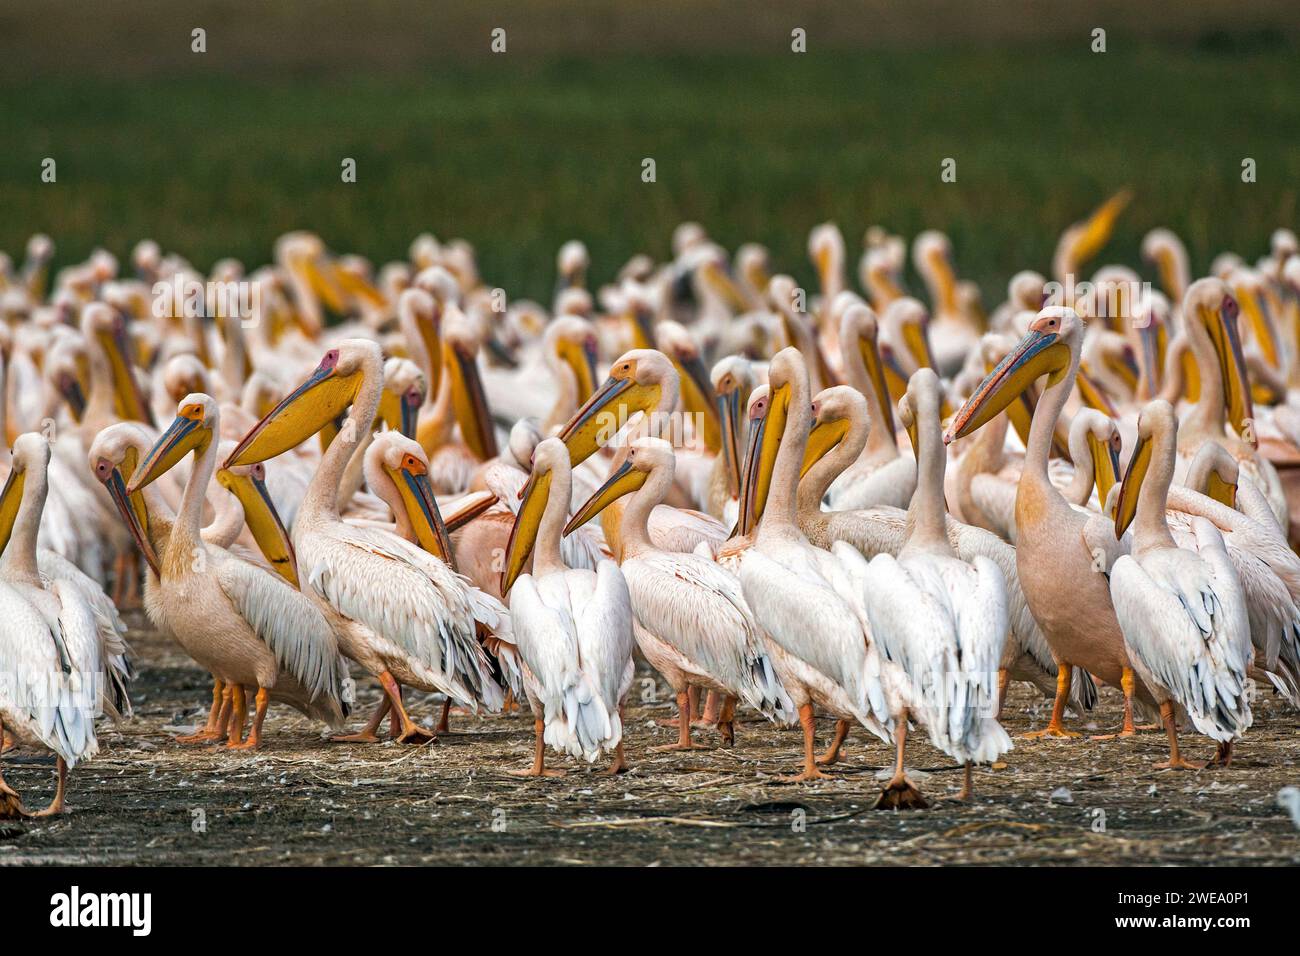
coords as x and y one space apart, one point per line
399 612
62 646
1182 611
691 619
1062 554
574 629
941 619
883 475
808 604
245 624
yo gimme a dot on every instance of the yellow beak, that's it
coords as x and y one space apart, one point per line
581 360
523 535
1098 227
470 402
823 437
129 507
11 499
1224 492
696 389
263 519
608 409
875 367
625 480
729 405
764 444
303 412
423 513
181 437
1105 466
1138 466
1037 354
1232 366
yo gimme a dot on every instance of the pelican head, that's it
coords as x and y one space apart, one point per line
1104 444
549 456
571 263
932 257
319 400
1214 473
183 375
31 450
197 420
732 379
404 393
570 340
248 484
1209 309
826 250
115 453
1162 248
909 317
106 327
1048 348
1156 420
680 346
419 316
66 368
397 470
858 326
1083 240
460 346
646 456
834 410
642 380
769 411
1025 290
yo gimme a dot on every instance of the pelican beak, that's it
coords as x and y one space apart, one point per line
642 322
608 409
303 412
400 413
1138 466
1093 395
824 436
129 507
262 518
947 288
729 415
187 432
1152 355
1125 366
625 480
1224 492
472 506
1261 323
696 389
325 287
1191 377
876 376
356 286
895 375
430 331
10 500
1222 326
535 494
1097 228
412 480
1105 465
1037 354
720 282
909 424
71 391
128 400
580 357
764 444
470 401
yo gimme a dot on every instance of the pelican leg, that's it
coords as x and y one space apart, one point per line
693 692
213 729
967 785
899 793
411 732
712 705
1004 681
442 727
56 805
367 734
1127 683
255 734
618 764
11 805
727 720
684 741
832 754
1222 756
1176 761
132 598
810 769
1054 728
539 768
238 715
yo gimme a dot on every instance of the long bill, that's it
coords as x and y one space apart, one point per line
768 413
412 481
729 405
130 508
625 480
602 415
469 401
1037 354
11 499
528 521
1138 467
1221 323
183 435
263 520
303 412
1105 466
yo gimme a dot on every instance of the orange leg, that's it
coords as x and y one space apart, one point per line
238 716
712 706
539 768
442 727
684 741
727 720
367 734
1004 681
967 787
1054 728
693 693
255 735
810 770
214 729
832 754
1127 683
411 733
11 805
1222 756
1176 761
899 793
56 805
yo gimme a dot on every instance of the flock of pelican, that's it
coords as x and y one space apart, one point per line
837 502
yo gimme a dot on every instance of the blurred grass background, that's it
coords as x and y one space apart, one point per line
216 154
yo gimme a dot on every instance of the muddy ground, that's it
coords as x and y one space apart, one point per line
147 800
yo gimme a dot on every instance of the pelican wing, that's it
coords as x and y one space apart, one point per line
698 608
681 529
409 597
605 640
288 622
1186 630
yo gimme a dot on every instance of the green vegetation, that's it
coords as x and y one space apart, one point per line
518 155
